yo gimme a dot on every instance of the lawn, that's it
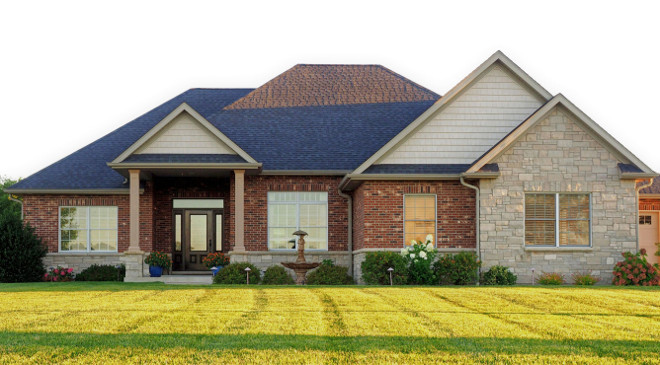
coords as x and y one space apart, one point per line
153 323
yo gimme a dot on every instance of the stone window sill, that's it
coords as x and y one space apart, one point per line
558 249
92 253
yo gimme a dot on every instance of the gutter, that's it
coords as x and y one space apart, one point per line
477 218
18 201
637 189
349 200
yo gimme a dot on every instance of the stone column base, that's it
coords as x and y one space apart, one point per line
134 262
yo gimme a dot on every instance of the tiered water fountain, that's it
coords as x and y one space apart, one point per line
301 266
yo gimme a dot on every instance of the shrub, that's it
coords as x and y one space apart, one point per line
457 269
21 251
235 274
329 274
277 275
550 278
375 265
59 274
102 273
420 257
584 278
635 270
159 259
498 275
216 259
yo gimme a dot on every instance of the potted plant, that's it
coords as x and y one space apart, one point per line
157 261
215 261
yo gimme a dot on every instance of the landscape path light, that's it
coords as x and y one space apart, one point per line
247 271
390 271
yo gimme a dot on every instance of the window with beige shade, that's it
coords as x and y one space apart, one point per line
557 219
419 217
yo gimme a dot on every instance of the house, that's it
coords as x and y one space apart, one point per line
649 208
359 157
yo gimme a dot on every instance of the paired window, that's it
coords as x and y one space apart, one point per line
645 219
557 219
292 211
84 229
419 217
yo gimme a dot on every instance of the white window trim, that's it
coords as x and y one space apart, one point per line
88 229
435 224
298 204
556 194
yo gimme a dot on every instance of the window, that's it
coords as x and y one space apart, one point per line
292 211
554 219
644 219
84 229
420 215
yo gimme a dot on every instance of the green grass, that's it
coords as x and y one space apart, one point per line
154 323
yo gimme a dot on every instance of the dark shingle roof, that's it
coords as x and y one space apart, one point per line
183 158
628 168
653 189
417 169
326 85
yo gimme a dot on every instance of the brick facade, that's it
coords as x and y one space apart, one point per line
379 221
256 209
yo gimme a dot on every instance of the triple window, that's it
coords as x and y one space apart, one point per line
85 229
556 219
292 211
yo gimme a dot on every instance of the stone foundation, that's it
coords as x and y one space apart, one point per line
265 259
81 261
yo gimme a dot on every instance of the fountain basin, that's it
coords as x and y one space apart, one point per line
300 268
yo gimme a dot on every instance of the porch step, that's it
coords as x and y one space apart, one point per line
206 279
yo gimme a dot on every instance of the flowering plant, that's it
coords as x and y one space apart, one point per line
419 256
59 274
636 270
159 259
215 259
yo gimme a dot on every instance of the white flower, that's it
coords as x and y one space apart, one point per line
422 254
404 251
429 238
412 255
413 242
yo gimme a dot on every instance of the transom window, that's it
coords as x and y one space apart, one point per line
84 229
292 211
556 219
420 217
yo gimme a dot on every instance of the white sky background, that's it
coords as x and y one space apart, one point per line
73 71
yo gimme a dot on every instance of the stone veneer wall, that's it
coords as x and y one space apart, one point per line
265 259
557 155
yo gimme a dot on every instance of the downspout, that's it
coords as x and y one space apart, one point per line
349 200
644 186
18 201
477 219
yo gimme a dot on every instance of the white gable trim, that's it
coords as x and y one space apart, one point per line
184 107
424 118
605 138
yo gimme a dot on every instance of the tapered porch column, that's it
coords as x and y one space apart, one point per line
134 243
239 210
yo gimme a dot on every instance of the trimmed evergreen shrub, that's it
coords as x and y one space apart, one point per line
329 274
550 278
102 273
375 265
235 274
277 275
457 269
21 251
636 270
498 275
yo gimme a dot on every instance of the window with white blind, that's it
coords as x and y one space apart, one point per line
557 219
290 211
85 229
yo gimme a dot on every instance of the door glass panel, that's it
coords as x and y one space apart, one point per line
218 232
177 232
198 231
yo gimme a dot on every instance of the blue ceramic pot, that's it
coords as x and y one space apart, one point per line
155 271
215 269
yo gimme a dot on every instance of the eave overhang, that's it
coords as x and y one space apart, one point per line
352 181
71 191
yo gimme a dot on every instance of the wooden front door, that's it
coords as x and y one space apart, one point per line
197 232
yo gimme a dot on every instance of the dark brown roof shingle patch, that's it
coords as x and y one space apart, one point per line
323 85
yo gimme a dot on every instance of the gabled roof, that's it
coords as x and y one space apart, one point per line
497 58
597 131
328 85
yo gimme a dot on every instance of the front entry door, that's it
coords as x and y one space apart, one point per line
648 235
197 232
